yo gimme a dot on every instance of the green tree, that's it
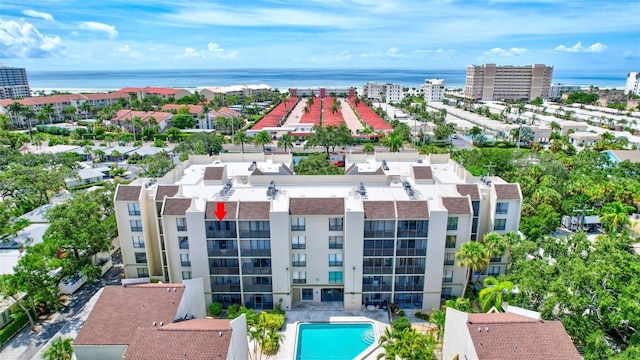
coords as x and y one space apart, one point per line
262 139
11 291
286 142
15 109
475 257
60 349
241 138
183 121
393 141
317 164
615 216
157 165
493 293
368 147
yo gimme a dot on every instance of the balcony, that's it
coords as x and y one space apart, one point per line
412 233
225 288
409 287
449 262
299 281
248 269
495 259
299 263
447 280
257 288
234 270
379 234
223 252
255 234
372 287
255 252
221 234
377 270
410 270
378 252
411 252
185 263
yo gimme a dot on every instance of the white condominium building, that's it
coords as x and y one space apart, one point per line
256 92
386 93
556 90
14 83
385 231
633 83
490 82
433 90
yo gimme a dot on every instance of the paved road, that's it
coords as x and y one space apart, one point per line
27 344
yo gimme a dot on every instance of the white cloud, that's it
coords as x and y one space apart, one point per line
392 52
96 26
594 48
127 50
499 52
213 51
344 56
25 41
39 14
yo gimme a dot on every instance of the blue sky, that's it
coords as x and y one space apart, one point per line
393 34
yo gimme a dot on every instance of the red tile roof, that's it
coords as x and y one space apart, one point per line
315 112
120 311
124 115
161 91
369 116
276 115
329 118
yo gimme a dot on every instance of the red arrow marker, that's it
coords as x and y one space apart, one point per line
220 213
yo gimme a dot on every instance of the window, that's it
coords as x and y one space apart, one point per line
138 242
450 242
136 225
476 207
447 277
449 258
183 241
299 277
142 272
335 277
297 224
182 224
335 242
500 224
134 208
493 271
141 258
186 275
445 293
298 242
335 259
184 260
495 259
502 208
336 224
307 294
452 223
299 260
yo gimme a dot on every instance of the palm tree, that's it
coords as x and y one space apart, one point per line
262 139
496 244
615 216
393 141
334 107
86 108
9 291
49 110
286 142
28 114
15 109
475 257
60 349
494 292
241 138
555 126
115 154
205 110
368 147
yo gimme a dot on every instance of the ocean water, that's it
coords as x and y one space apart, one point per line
279 78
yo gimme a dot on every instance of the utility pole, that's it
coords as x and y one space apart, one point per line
582 213
489 168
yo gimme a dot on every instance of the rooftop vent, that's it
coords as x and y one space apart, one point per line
419 161
271 189
384 165
407 187
253 166
227 186
361 189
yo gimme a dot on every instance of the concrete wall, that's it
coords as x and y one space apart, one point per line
99 352
239 346
456 340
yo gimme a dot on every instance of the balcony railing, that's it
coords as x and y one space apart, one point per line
409 270
299 263
299 281
220 234
495 259
381 287
255 252
255 234
411 252
257 288
223 252
256 270
447 280
185 263
377 270
379 234
225 288
411 233
378 252
297 227
298 246
409 287
449 262
225 270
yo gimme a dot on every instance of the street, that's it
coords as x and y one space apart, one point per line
26 344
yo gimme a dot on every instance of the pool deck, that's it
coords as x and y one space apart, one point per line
328 312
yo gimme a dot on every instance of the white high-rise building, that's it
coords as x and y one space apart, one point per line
13 83
556 90
633 83
385 231
491 82
387 93
433 90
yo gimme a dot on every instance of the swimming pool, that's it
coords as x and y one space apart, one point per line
333 340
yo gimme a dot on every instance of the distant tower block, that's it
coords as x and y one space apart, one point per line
352 92
323 93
